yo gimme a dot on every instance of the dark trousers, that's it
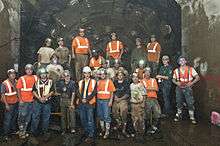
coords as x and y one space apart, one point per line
41 112
86 112
10 117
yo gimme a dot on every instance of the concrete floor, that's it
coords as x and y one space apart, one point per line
182 133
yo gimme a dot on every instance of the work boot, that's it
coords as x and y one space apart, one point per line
107 131
33 140
178 115
139 138
102 125
124 131
192 118
89 140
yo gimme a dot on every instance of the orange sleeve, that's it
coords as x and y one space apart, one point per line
111 86
19 84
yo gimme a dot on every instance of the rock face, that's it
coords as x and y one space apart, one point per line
200 38
10 34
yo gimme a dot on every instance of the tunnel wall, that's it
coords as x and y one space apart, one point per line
200 38
9 35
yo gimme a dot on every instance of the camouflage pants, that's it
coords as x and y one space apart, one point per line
137 115
80 61
120 111
152 110
68 115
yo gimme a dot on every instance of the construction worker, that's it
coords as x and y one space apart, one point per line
43 90
96 61
105 90
87 100
152 107
10 100
25 86
114 48
137 101
153 54
119 68
165 83
55 70
120 104
80 52
67 90
140 69
63 54
184 78
45 53
137 54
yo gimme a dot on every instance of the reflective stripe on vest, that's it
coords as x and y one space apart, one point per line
81 46
9 87
93 86
106 88
117 47
25 85
93 61
182 78
152 50
152 83
46 88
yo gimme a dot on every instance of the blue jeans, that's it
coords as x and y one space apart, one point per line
187 94
24 116
41 112
103 110
166 89
86 112
10 118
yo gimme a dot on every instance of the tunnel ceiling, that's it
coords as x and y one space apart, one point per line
129 18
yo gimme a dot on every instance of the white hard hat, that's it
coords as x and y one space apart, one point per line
29 66
147 69
87 69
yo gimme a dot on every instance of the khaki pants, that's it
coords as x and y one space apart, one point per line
68 115
80 61
152 110
137 115
120 111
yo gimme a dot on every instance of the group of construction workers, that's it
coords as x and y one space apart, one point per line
103 92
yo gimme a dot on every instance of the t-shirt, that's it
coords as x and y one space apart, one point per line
55 71
63 54
187 73
26 96
66 90
137 92
121 88
166 71
46 53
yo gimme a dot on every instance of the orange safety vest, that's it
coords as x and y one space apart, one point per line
10 94
80 45
90 89
114 49
95 63
25 84
153 50
105 88
184 77
150 83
